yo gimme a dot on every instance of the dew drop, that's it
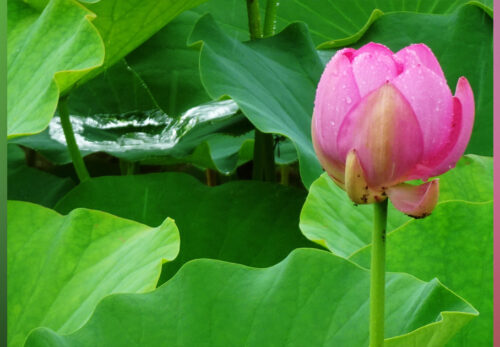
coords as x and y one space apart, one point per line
343 86
332 123
348 100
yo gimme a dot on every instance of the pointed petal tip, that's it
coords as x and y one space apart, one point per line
356 185
415 201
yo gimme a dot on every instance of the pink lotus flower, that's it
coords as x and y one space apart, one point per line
381 119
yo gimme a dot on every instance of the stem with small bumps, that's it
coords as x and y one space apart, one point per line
377 278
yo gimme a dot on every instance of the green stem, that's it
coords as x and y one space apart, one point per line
74 151
285 175
254 19
377 279
263 163
211 176
127 167
263 157
270 19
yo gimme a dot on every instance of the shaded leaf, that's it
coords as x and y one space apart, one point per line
125 24
170 68
247 222
332 24
273 81
29 184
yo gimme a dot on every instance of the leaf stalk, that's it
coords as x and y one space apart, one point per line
377 278
74 151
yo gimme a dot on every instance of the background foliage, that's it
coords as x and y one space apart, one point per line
165 99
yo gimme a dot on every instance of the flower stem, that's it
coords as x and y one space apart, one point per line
377 279
74 151
270 19
254 19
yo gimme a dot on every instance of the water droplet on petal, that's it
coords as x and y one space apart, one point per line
348 100
332 123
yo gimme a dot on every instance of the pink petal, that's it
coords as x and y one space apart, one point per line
419 54
332 166
431 100
463 122
375 48
415 201
385 133
373 65
336 94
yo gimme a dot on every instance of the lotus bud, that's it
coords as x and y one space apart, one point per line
381 119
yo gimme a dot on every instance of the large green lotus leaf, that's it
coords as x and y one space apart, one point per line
311 298
139 135
51 60
464 47
331 23
29 184
458 235
125 24
247 222
272 80
330 218
44 61
220 151
170 68
60 267
116 113
116 90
